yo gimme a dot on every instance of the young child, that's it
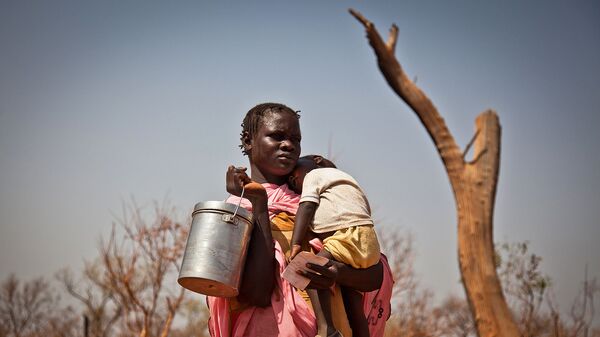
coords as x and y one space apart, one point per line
333 205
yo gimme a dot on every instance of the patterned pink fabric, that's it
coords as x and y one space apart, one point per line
377 303
281 199
289 315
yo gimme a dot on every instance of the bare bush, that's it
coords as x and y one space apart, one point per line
580 319
411 305
131 289
524 285
454 318
32 308
141 269
527 289
100 309
195 315
530 294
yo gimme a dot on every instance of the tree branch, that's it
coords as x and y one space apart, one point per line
392 39
468 147
413 96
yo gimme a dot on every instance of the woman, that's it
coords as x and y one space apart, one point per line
267 305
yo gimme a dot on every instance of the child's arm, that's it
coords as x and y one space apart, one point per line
304 217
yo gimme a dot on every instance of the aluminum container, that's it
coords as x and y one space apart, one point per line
216 249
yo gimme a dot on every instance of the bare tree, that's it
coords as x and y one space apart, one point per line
100 309
141 270
454 318
64 322
24 307
411 313
414 313
581 314
195 315
473 183
530 295
528 292
32 309
524 284
131 289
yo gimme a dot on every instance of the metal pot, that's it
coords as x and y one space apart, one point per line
216 249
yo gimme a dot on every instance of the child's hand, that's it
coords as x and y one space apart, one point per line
295 250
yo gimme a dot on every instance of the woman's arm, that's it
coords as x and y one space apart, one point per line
367 279
258 279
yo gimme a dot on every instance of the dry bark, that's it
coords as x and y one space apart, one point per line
473 184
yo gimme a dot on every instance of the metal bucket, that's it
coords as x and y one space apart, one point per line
216 249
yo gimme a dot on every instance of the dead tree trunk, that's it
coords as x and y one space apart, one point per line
474 186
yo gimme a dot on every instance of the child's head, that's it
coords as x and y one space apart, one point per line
303 166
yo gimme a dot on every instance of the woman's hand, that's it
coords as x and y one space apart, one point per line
323 277
367 279
235 179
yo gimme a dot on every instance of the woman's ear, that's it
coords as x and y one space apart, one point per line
246 141
317 159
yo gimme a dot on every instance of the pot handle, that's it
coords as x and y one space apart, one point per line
231 218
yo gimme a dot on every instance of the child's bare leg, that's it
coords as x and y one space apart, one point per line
353 305
322 305
354 309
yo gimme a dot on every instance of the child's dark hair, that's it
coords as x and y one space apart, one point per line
255 115
319 160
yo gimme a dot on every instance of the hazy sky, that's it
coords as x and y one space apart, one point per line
102 101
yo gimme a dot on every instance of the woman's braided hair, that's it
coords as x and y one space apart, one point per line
255 116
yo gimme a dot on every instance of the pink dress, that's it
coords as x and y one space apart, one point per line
289 315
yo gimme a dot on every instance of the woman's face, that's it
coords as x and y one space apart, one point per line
275 147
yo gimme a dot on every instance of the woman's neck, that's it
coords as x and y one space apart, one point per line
261 178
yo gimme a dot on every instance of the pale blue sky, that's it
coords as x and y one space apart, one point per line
103 101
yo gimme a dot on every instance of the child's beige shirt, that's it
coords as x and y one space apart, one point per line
342 203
